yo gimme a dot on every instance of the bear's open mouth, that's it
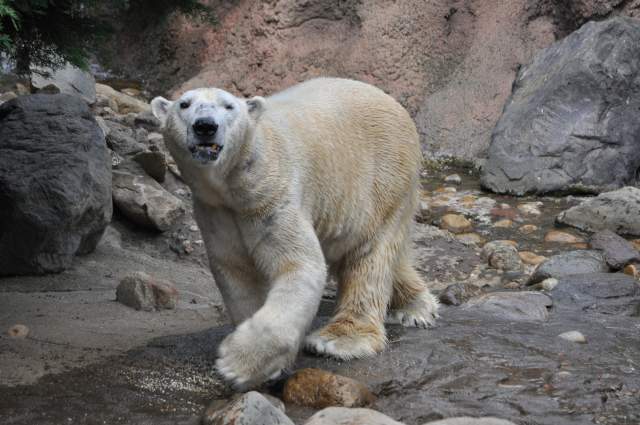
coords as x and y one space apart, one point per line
205 152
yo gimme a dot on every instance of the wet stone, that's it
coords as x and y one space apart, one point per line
569 263
631 270
528 229
455 223
573 336
453 179
344 416
470 238
557 236
530 208
531 258
503 257
513 306
319 388
459 293
617 251
248 409
18 331
466 420
504 223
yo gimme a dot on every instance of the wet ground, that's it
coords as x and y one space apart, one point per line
104 363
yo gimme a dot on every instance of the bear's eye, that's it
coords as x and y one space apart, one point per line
184 104
228 107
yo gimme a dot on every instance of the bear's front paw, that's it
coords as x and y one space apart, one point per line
254 353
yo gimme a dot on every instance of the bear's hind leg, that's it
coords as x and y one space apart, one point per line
412 304
365 289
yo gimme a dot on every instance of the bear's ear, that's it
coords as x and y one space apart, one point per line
160 108
256 105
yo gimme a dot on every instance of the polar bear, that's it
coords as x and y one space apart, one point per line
321 178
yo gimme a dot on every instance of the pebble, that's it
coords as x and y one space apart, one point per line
528 229
530 208
440 201
344 416
509 213
636 244
631 270
459 293
455 223
562 237
549 283
18 331
573 336
505 257
504 223
143 292
319 388
531 258
489 247
470 238
446 189
453 179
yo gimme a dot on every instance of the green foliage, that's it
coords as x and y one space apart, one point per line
48 33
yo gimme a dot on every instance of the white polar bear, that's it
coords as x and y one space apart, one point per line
321 177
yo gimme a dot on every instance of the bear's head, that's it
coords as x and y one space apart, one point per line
207 125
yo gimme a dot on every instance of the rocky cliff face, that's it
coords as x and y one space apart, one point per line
451 63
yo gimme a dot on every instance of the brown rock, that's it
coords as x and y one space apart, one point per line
18 331
124 102
528 229
504 223
318 389
455 223
470 238
143 292
631 270
531 258
557 236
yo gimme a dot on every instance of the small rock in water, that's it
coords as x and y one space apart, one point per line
531 258
446 189
453 179
573 336
530 208
528 229
562 237
18 331
569 263
459 293
465 420
502 255
631 270
344 416
319 388
549 284
142 292
504 223
617 251
249 408
455 223
470 238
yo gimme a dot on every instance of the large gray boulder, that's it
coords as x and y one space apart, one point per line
55 183
67 80
571 123
618 211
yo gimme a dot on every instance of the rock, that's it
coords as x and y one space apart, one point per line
126 104
121 139
18 331
22 90
505 257
142 200
603 293
55 183
143 292
570 124
617 251
68 80
465 420
573 336
345 416
492 246
318 389
455 223
147 120
513 306
7 96
459 293
568 263
531 258
153 163
528 229
548 284
470 238
557 236
631 270
618 211
130 91
453 179
504 223
530 208
446 189
246 409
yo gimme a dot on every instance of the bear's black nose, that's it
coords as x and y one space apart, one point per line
205 127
